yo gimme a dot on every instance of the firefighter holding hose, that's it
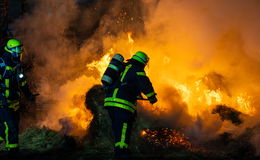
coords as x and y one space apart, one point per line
121 101
12 82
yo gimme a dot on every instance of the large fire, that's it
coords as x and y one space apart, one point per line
200 94
204 59
73 117
198 83
197 93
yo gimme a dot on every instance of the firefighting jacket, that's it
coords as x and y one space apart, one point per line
133 82
12 81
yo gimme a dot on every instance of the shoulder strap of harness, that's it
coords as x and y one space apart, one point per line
125 71
123 74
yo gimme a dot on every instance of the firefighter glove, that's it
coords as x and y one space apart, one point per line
153 99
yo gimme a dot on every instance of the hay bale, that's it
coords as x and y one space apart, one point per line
227 113
43 139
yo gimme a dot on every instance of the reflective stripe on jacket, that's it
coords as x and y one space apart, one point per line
133 82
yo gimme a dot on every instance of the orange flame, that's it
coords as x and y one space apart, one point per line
199 98
194 93
131 42
69 114
101 64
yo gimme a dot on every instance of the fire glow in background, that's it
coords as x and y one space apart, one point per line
202 54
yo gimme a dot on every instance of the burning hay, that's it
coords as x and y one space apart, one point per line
227 113
215 81
165 138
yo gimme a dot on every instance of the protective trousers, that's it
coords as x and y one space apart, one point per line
9 127
122 122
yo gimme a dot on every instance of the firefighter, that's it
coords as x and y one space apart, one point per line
12 82
121 102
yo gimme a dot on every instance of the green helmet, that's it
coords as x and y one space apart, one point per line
14 46
118 57
141 57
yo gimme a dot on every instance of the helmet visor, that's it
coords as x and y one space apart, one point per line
17 49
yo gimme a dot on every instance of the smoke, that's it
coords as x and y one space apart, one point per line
206 51
56 64
202 54
61 38
205 45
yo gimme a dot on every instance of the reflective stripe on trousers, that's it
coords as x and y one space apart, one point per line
122 143
9 127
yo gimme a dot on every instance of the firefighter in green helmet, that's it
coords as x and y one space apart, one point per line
121 101
12 82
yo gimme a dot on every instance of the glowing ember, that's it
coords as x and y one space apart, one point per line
165 138
143 133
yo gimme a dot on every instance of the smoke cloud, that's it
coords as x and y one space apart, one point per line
208 43
61 38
